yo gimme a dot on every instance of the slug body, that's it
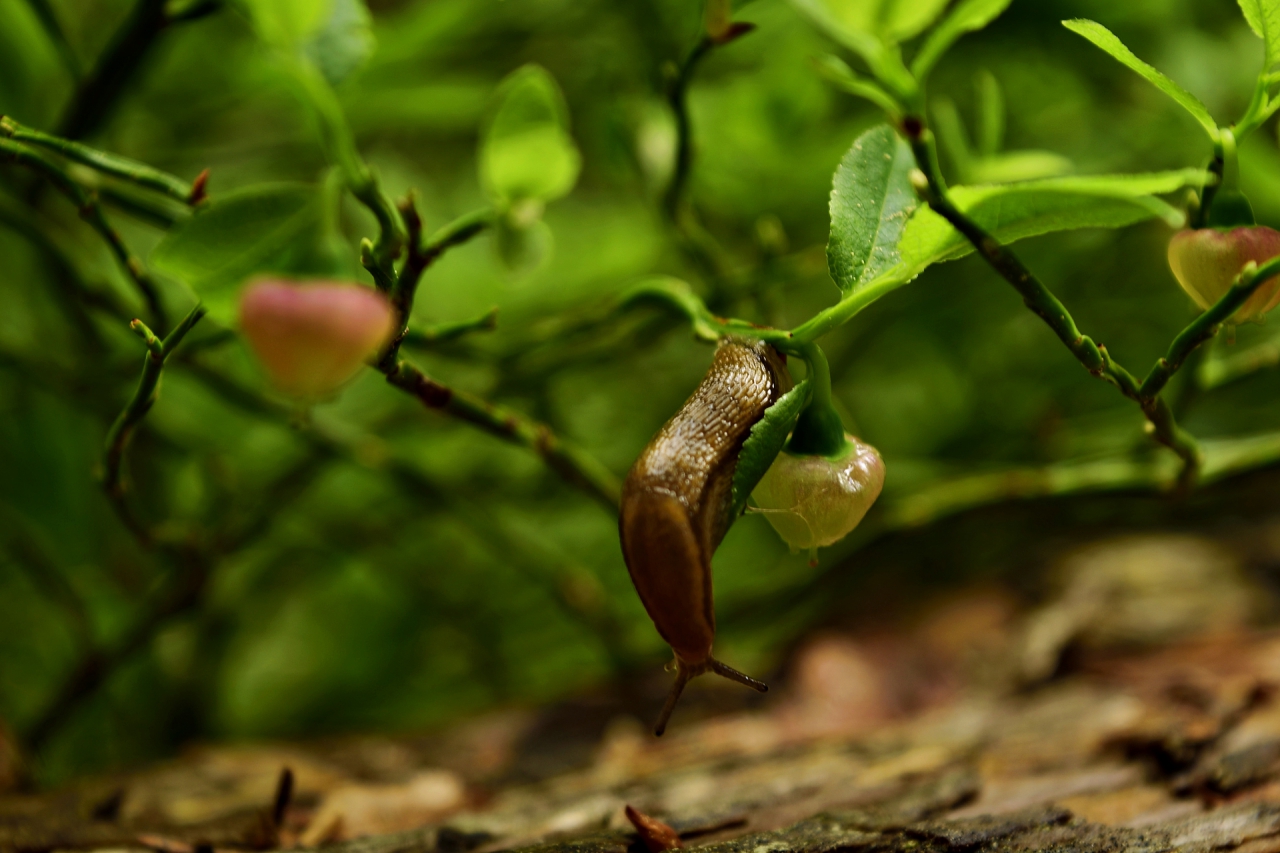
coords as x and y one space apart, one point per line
677 503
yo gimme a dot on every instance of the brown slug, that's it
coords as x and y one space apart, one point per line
677 504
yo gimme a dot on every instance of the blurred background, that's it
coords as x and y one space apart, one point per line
409 571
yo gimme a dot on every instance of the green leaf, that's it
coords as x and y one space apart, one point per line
991 114
837 71
1264 19
670 291
274 228
892 20
1013 166
343 43
967 17
845 22
336 36
336 138
1106 40
1225 364
904 19
286 24
871 201
765 443
1011 212
526 152
25 55
953 138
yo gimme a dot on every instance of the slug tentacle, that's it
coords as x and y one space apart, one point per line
677 503
683 674
686 672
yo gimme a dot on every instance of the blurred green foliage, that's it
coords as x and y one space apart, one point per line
417 569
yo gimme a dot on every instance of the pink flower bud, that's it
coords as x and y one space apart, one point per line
311 337
1206 262
814 501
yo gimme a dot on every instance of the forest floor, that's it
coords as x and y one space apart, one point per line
1138 708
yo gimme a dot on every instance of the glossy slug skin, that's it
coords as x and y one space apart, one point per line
677 500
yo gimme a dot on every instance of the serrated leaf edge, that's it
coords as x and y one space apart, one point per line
766 440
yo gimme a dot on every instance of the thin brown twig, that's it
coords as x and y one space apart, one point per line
1041 301
575 466
133 413
188 580
98 94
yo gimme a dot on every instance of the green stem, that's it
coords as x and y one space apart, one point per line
1226 151
1161 424
1043 303
1217 169
405 475
98 94
575 466
136 409
43 11
1206 326
380 255
110 164
391 228
1260 108
819 430
421 255
456 233
676 295
76 297
1164 429
694 239
831 318
678 99
443 333
91 212
192 11
143 207
1034 294
1226 370
180 591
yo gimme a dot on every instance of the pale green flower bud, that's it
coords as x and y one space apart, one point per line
814 501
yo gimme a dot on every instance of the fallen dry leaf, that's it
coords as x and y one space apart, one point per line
655 834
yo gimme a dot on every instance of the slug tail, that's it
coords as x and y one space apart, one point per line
683 674
732 674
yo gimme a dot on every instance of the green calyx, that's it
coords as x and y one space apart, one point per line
1229 209
1223 205
819 430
